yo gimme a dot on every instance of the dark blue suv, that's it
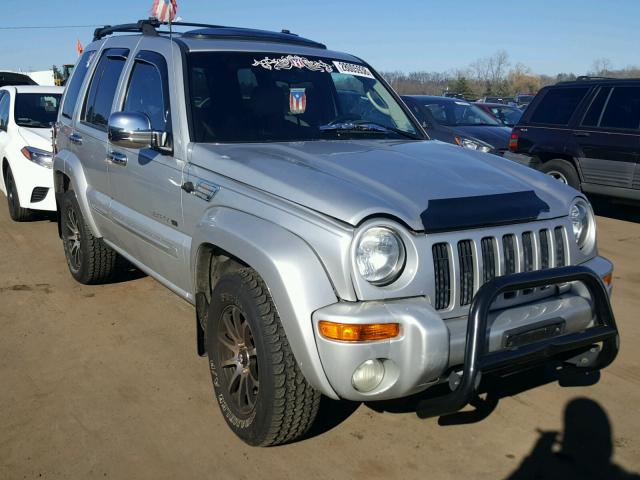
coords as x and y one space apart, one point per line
585 133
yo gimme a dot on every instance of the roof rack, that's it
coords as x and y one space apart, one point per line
583 78
150 26
146 27
588 78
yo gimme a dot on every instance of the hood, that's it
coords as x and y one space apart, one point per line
351 180
497 137
36 137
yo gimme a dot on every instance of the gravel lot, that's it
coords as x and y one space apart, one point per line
104 381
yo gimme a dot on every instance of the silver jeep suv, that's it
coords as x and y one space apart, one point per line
327 245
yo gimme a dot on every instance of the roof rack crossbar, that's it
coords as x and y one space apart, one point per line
146 27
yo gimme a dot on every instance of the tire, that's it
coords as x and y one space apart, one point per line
90 261
17 213
247 345
563 171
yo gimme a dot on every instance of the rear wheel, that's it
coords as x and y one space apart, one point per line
90 261
16 212
262 393
563 171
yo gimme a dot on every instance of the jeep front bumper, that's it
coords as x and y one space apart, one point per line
428 348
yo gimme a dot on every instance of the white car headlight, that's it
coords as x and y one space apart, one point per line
473 144
380 255
41 157
584 224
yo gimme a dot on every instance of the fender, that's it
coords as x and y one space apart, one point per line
296 278
67 163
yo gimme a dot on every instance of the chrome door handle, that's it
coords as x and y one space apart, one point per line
117 158
581 134
75 138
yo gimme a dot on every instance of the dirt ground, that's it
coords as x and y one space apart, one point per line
103 381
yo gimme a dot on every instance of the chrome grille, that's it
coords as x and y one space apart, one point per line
545 257
442 274
527 251
478 260
465 260
509 251
488 245
558 239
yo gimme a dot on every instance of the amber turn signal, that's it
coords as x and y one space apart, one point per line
608 279
350 332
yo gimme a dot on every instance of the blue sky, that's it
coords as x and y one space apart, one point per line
550 36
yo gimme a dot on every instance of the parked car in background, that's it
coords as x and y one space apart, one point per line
508 115
585 133
13 78
26 116
523 100
453 95
459 122
502 100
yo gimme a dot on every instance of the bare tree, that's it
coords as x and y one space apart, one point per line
491 72
602 67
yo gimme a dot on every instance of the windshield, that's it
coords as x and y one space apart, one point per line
260 97
458 113
36 110
524 98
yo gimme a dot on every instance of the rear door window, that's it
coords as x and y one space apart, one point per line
73 88
623 109
102 90
558 105
592 117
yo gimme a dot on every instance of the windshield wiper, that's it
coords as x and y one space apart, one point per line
28 122
365 127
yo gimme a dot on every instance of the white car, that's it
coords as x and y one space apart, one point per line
26 117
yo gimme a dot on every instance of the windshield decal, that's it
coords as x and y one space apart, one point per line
297 100
353 69
288 62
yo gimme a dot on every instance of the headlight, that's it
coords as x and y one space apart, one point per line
41 157
473 144
584 225
380 255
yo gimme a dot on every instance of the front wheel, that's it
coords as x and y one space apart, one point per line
262 393
90 261
17 213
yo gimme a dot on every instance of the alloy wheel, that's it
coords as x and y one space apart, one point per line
72 238
558 176
238 360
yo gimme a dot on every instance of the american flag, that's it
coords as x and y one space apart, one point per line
164 10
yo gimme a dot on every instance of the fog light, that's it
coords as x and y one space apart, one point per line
368 375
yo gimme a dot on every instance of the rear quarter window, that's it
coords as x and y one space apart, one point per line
558 106
623 109
74 85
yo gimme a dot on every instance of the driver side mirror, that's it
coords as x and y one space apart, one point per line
133 130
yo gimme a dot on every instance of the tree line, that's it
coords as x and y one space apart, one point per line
493 76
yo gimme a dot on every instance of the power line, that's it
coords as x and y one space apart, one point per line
43 27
